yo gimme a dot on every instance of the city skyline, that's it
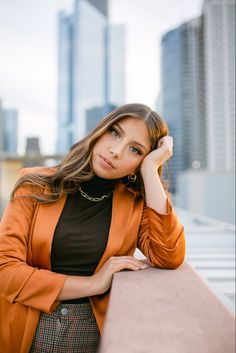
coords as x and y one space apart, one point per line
32 90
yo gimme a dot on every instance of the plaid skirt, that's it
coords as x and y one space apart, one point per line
71 328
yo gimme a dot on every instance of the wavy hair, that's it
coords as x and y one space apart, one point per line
76 166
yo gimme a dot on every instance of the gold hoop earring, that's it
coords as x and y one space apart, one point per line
132 177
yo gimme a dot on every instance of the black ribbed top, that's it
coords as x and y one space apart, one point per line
81 234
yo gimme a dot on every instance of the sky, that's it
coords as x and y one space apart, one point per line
28 59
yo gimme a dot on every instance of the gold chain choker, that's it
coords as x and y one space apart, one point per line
94 199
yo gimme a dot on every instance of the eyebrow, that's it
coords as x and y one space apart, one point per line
136 142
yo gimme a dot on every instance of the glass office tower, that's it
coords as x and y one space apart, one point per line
8 130
172 72
91 57
219 42
182 95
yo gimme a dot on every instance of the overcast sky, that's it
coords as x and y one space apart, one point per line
28 59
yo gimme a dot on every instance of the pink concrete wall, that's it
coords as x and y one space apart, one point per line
166 311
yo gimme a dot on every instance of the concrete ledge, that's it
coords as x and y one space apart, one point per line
166 311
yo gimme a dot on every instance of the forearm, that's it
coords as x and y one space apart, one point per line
77 287
155 194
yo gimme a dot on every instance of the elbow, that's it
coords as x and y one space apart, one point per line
168 257
175 263
174 259
168 263
178 256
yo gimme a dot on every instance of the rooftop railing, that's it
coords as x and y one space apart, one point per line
166 311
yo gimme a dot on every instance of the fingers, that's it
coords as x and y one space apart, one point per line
118 263
103 278
165 145
166 141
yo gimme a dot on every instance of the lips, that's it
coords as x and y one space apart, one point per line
107 161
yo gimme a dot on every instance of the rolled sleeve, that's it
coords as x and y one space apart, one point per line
161 237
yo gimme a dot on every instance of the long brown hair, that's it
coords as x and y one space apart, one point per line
76 165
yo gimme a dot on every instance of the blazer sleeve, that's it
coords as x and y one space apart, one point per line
20 282
161 238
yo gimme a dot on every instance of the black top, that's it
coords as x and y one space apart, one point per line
81 234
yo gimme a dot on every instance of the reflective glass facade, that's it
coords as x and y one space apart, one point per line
89 58
65 83
219 44
91 70
8 133
182 96
172 71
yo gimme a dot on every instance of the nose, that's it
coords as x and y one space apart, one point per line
116 152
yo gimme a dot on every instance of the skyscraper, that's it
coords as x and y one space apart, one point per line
196 143
85 48
8 130
198 101
95 114
32 147
219 39
114 76
198 88
171 87
65 83
101 5
182 92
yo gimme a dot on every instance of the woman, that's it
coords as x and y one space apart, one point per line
69 228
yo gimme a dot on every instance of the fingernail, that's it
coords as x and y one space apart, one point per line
144 266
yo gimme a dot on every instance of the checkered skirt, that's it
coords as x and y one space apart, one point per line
71 328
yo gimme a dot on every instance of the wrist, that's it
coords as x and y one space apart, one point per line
148 166
94 285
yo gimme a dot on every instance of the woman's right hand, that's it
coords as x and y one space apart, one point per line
103 278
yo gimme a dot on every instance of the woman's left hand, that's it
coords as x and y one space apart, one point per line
160 155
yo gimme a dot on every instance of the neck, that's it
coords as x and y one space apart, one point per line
98 185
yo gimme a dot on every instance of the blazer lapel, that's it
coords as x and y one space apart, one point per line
44 228
122 208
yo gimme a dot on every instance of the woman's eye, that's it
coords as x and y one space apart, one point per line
114 132
135 150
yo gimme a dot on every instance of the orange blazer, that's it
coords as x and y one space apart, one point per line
27 285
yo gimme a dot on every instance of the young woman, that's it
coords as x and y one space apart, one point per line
69 228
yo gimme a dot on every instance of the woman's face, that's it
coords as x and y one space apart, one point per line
120 150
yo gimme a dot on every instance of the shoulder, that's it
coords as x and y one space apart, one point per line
36 170
26 183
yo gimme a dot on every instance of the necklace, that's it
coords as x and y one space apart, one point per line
94 199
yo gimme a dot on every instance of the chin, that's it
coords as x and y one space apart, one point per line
104 175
